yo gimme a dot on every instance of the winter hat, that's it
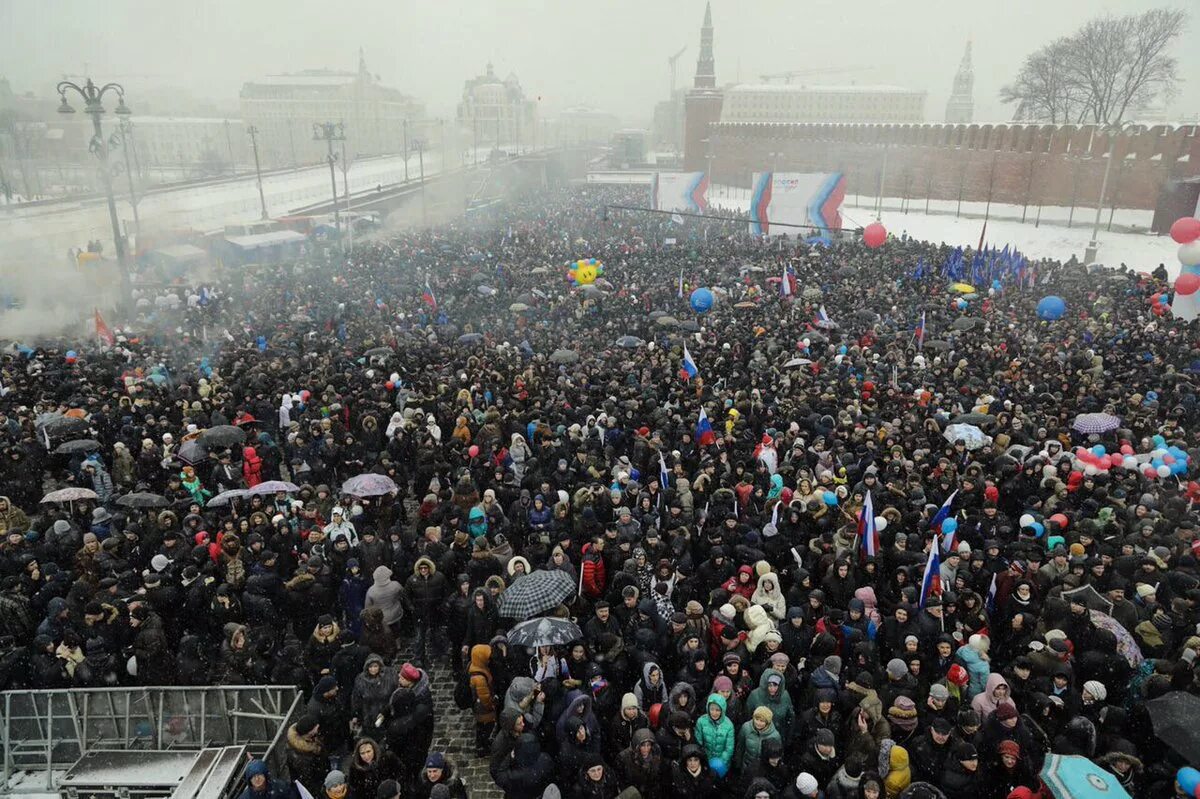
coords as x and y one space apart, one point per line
1145 590
435 760
958 675
1096 689
628 700
410 673
1009 748
939 692
965 751
806 784
256 768
903 714
833 665
1005 711
763 713
306 724
388 789
159 562
722 683
896 669
333 779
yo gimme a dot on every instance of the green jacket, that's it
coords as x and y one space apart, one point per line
783 714
716 737
750 741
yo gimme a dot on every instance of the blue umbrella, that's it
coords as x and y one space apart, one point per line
1075 777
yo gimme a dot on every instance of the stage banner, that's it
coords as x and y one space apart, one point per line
679 191
796 198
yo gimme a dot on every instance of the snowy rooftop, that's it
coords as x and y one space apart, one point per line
321 79
799 88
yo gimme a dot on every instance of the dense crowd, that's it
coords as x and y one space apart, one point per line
741 631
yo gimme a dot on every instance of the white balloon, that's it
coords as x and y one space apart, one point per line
1026 519
1090 470
880 523
1189 254
1164 471
1130 462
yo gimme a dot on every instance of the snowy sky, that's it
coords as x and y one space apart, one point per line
610 54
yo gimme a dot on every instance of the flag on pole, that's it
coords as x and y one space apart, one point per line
103 332
785 286
867 530
681 284
921 332
942 514
428 297
664 475
931 583
303 792
704 432
822 315
688 369
990 602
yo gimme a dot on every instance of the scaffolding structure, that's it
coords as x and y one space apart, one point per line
179 742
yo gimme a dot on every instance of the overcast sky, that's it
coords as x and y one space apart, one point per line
611 54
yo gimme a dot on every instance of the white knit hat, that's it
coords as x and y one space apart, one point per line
806 783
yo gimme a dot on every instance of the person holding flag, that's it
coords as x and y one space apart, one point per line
705 436
428 297
920 334
937 523
868 532
931 582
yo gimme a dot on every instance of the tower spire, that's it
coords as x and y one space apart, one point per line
362 62
961 105
706 72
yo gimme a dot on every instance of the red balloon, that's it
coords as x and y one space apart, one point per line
473 450
1187 284
389 385
869 385
874 235
1126 449
1158 309
1059 519
1186 229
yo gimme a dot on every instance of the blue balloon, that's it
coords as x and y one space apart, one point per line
702 300
1051 307
1099 450
718 766
1178 467
842 350
961 304
72 354
949 525
1156 462
829 498
1158 440
1188 778
1039 529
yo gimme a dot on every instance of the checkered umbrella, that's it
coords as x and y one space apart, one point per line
1095 423
535 593
545 631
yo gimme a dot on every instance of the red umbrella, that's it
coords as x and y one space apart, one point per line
244 418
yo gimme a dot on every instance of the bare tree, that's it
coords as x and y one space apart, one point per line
1110 67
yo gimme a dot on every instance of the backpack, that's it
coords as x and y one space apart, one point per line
464 694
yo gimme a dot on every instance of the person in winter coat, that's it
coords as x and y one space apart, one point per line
652 688
595 580
333 718
995 693
619 734
596 780
641 766
368 766
307 762
438 771
426 590
352 596
260 785
691 777
715 733
898 773
370 694
321 646
485 700
527 773
961 778
751 736
150 647
772 694
974 656
388 595
252 466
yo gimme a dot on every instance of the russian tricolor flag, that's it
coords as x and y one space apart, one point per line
921 333
428 297
942 514
931 583
688 369
705 436
867 530
785 285
822 316
664 474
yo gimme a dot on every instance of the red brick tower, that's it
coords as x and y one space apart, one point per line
702 106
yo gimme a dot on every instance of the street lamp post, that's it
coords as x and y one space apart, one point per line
329 132
125 129
252 131
93 99
1093 247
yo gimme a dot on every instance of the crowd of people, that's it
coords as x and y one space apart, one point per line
746 629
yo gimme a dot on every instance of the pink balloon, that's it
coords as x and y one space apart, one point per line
1149 473
874 235
1126 449
1185 229
1116 459
473 450
1168 459
1187 284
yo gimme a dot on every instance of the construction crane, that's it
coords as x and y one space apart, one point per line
671 64
796 73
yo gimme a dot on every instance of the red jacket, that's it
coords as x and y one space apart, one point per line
594 580
251 467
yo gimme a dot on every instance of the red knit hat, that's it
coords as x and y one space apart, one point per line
958 675
410 673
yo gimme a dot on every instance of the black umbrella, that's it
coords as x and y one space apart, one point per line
545 631
937 344
191 452
1174 717
1089 597
78 446
976 419
143 499
223 435
535 593
965 323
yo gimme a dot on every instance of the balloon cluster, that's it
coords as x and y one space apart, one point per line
874 235
1186 231
1161 462
584 271
1188 780
701 300
71 356
1159 303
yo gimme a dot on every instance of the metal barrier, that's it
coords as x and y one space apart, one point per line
45 733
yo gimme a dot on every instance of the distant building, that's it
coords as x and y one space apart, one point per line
668 123
495 112
582 125
789 104
189 141
960 108
284 108
702 104
628 149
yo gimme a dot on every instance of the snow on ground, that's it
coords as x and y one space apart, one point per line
1127 243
